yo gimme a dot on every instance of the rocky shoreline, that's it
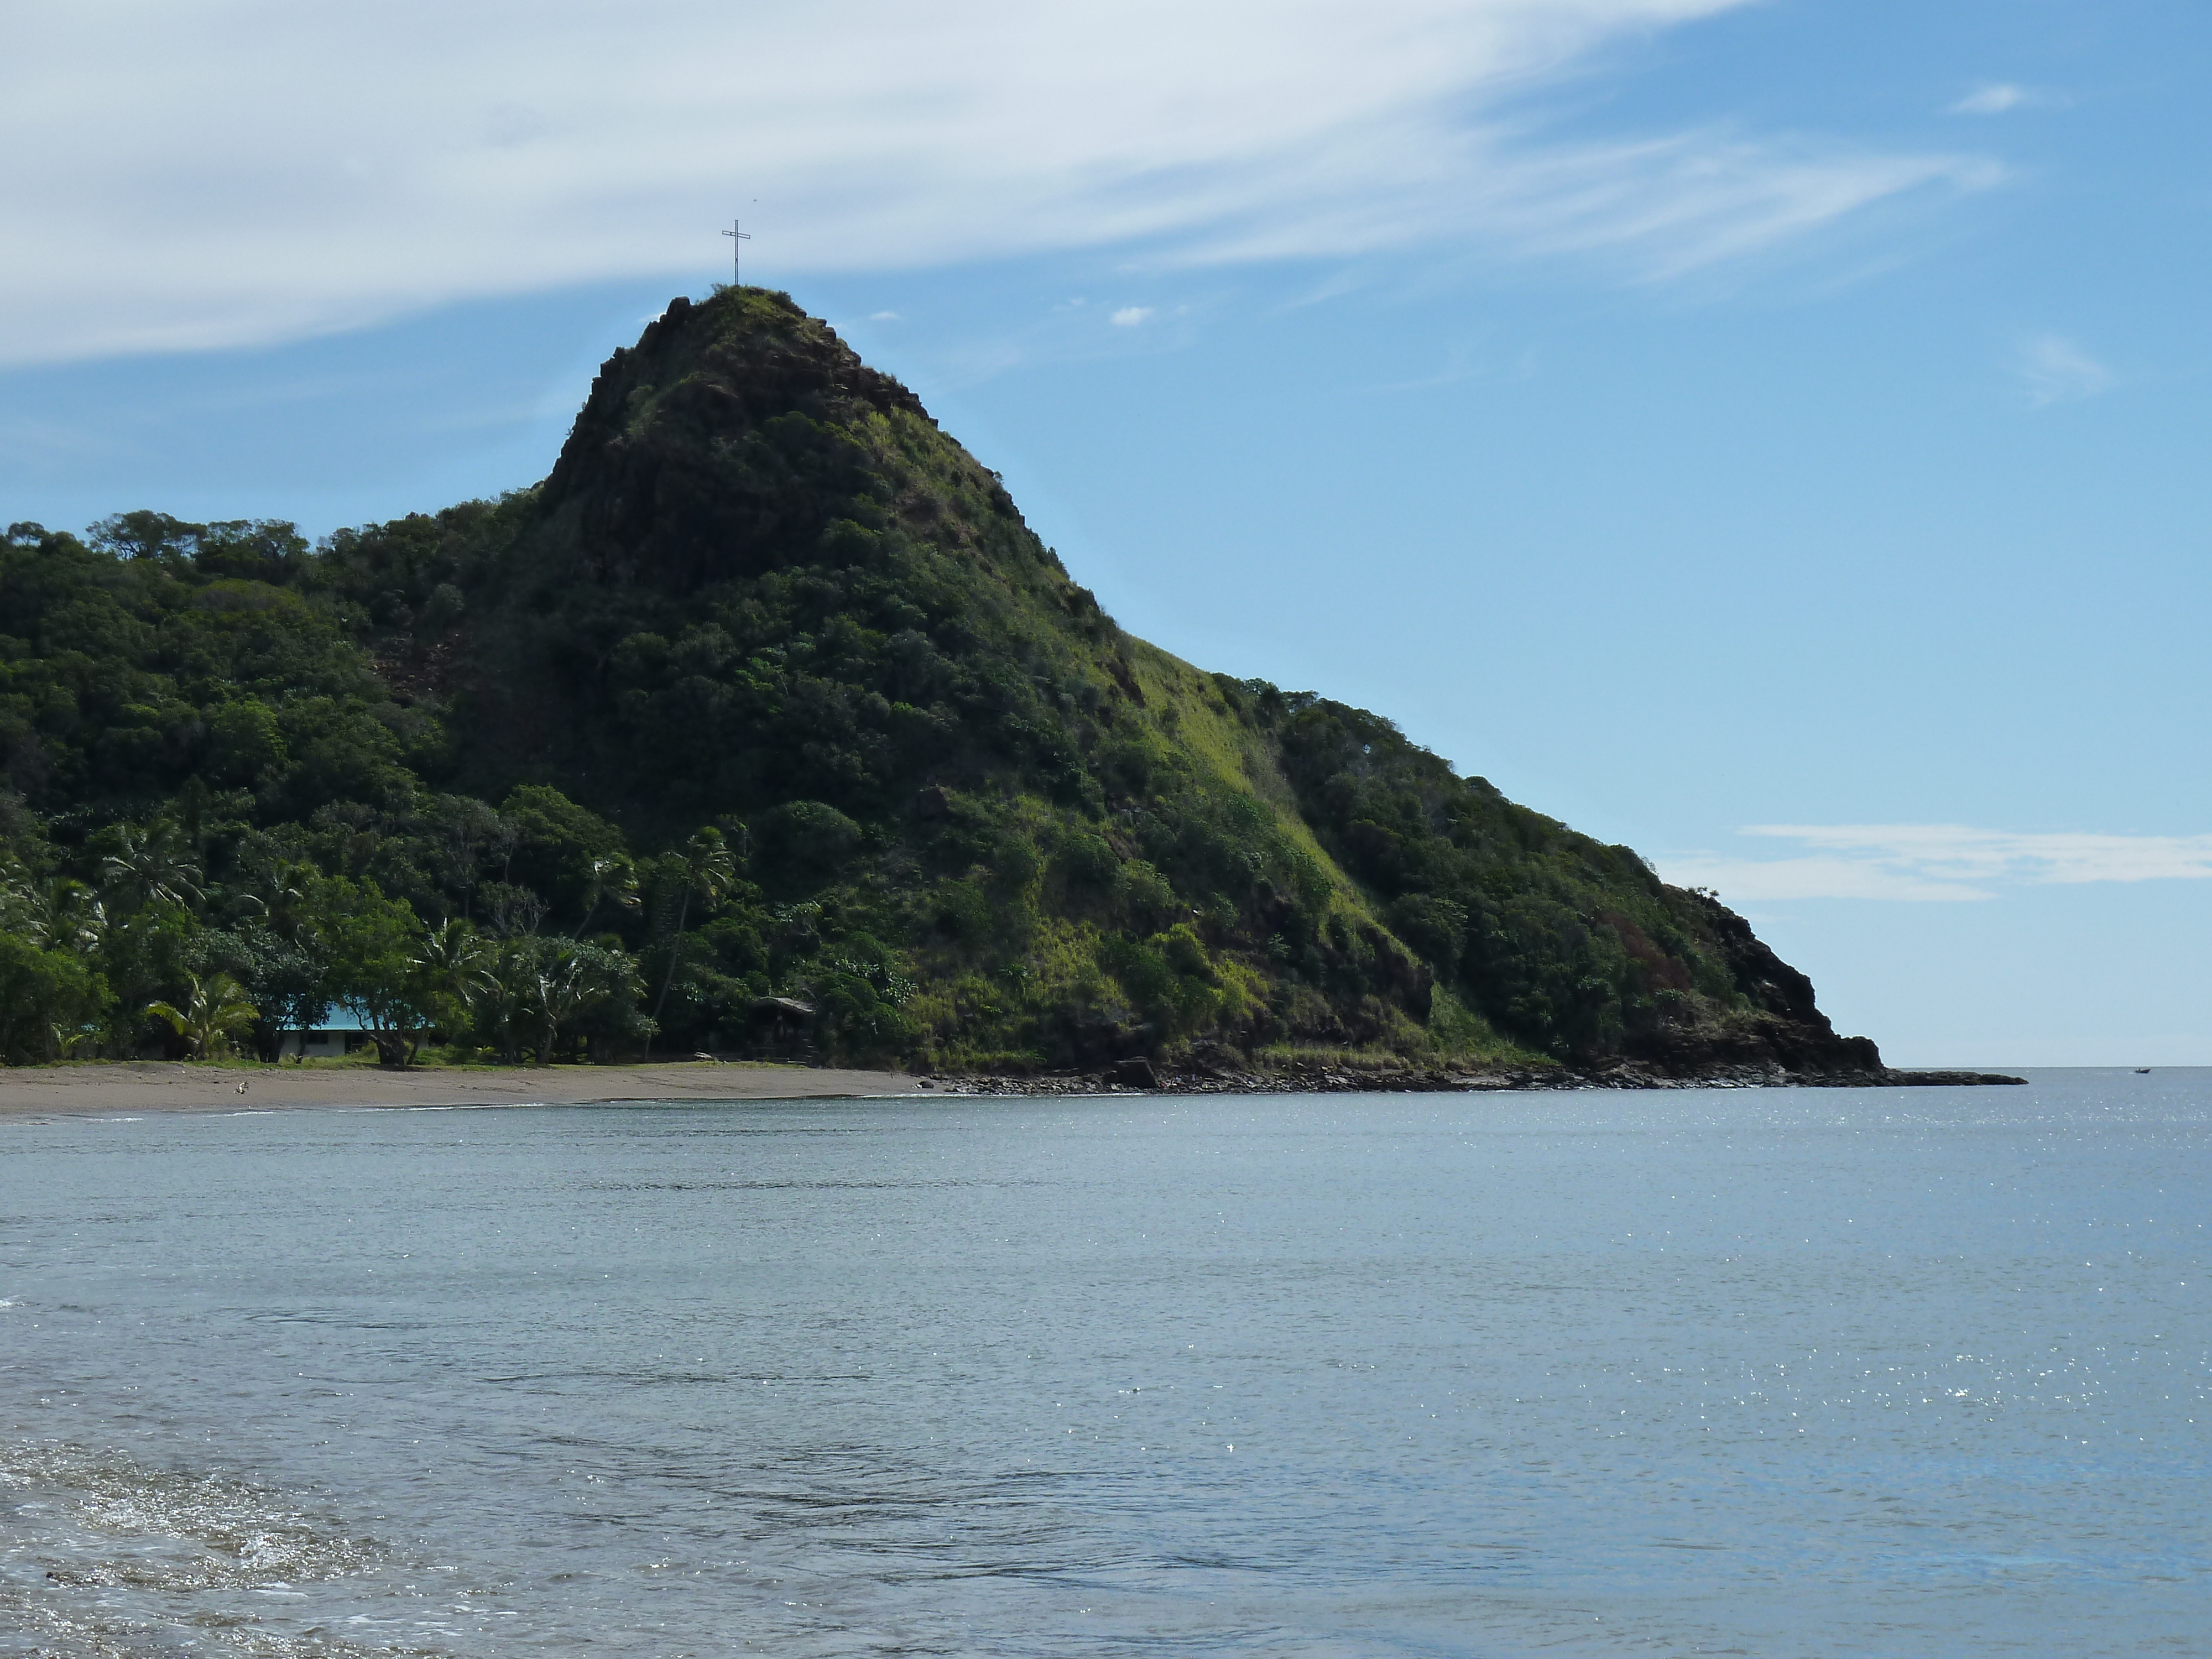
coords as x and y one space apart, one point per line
1139 1076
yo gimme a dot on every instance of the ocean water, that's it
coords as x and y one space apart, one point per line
1912 1372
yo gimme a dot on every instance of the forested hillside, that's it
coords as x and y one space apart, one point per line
765 718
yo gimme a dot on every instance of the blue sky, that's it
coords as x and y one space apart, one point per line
1771 435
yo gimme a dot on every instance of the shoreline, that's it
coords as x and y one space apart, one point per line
136 1086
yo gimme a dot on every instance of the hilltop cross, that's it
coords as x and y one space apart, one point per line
738 237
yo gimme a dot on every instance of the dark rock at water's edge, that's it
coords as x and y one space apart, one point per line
1133 1074
1324 1080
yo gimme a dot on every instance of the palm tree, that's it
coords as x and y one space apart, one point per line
570 980
153 864
215 1012
457 961
610 877
710 873
19 899
510 977
76 920
278 890
57 915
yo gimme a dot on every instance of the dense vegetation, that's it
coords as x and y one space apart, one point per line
766 692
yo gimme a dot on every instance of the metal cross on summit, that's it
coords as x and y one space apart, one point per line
738 237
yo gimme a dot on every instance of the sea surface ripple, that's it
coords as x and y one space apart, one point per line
1781 1373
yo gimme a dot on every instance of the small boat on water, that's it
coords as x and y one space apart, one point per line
2142 1071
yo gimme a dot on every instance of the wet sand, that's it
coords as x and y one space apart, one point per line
156 1086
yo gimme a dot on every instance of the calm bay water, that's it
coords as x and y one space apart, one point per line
1768 1372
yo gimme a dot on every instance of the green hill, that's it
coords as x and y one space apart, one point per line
767 691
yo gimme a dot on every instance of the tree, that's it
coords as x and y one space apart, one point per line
857 1011
456 963
246 745
46 999
506 996
708 872
376 946
537 988
569 980
560 850
467 832
288 979
150 864
216 1012
57 915
147 954
609 876
276 890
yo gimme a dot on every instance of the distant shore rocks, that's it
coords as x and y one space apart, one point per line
1141 1077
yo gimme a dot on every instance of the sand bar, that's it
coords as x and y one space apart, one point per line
156 1086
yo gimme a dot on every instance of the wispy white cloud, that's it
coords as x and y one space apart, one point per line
1131 316
1655 210
1934 862
2053 369
883 317
1754 881
1997 97
246 171
1991 100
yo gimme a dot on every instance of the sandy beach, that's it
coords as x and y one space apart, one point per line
155 1086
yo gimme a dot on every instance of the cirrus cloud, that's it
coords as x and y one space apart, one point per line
2053 369
1935 862
1991 100
221 172
1998 97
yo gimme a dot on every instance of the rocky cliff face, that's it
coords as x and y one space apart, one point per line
720 448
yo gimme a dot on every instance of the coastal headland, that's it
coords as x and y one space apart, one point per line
765 725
